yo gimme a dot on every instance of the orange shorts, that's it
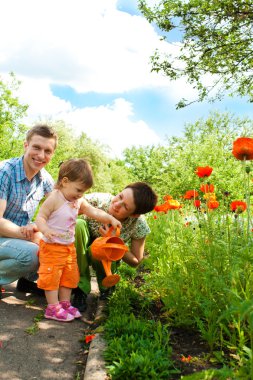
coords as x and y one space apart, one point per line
58 266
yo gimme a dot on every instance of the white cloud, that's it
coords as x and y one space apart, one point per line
112 125
92 47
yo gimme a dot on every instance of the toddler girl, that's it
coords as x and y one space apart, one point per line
58 271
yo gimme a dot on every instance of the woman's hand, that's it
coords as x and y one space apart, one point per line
103 230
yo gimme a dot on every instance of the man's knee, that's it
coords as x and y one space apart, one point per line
29 259
24 253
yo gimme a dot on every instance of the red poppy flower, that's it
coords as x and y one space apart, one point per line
155 217
191 194
243 148
238 206
186 359
207 188
167 197
161 208
205 171
212 204
197 203
171 204
89 338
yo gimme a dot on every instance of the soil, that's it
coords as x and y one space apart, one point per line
190 353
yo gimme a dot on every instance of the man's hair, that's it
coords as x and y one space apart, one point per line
145 198
75 169
43 130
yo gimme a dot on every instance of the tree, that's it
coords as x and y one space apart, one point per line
150 164
12 132
171 169
216 40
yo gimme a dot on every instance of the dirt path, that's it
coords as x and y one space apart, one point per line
32 347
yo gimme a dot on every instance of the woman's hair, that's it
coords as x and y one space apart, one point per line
145 198
43 130
75 169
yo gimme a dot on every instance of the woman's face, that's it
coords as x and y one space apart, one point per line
122 205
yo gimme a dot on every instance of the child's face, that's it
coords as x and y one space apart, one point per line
72 190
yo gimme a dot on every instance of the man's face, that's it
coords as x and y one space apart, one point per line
122 205
38 152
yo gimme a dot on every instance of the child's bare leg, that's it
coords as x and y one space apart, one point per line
64 293
52 297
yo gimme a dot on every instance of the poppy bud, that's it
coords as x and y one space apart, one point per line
247 169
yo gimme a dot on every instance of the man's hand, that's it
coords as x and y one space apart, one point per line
29 231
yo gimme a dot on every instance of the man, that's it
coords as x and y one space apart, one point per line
23 184
128 206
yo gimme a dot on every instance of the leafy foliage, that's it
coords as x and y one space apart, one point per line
169 169
137 348
12 132
215 39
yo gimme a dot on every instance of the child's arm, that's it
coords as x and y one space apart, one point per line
97 214
45 211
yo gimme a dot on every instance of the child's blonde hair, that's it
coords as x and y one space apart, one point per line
75 169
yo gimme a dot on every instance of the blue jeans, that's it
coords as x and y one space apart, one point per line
18 258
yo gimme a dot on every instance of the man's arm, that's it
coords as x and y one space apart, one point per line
7 228
12 230
136 253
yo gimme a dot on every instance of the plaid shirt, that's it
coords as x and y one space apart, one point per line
22 196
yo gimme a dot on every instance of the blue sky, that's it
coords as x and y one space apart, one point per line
88 63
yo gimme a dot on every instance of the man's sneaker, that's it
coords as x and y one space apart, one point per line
26 286
79 300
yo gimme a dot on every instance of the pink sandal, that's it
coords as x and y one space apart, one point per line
66 305
58 314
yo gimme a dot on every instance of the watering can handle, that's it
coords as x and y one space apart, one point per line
111 229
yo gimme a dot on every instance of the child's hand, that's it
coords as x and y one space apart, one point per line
37 237
50 234
115 223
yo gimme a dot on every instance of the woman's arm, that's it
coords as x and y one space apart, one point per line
136 254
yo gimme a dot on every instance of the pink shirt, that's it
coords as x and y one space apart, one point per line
63 221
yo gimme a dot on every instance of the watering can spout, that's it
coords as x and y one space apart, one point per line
107 249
